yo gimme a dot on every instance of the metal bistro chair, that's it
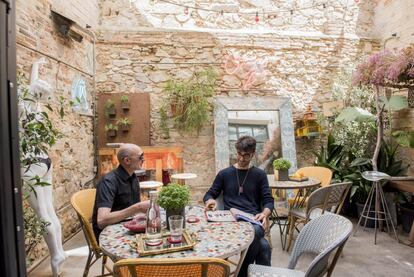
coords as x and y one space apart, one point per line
83 202
183 267
321 200
321 236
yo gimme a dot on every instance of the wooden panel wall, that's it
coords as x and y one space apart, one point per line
138 114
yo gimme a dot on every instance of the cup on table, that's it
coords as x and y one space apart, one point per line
176 228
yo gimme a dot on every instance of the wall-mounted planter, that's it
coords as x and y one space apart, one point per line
111 133
124 128
125 106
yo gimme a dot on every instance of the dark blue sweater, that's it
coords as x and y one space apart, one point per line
255 195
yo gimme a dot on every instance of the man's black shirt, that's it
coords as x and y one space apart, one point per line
254 196
116 190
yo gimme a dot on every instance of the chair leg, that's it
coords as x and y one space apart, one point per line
104 259
88 264
291 230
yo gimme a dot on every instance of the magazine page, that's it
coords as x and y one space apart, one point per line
220 216
240 215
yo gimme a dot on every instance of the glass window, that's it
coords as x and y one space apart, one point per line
259 132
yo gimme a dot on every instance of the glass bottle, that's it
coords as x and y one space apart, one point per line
153 230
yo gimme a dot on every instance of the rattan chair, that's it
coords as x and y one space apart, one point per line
329 198
323 174
83 202
182 267
322 236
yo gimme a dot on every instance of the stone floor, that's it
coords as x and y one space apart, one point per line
361 257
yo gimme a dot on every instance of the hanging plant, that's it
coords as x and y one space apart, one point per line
111 130
124 124
125 102
110 110
189 100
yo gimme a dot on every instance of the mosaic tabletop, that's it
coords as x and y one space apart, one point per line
214 239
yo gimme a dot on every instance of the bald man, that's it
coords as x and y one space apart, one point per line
117 193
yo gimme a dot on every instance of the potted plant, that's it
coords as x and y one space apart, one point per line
111 130
110 110
173 198
281 169
188 100
125 102
124 124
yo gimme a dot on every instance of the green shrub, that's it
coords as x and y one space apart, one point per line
174 196
281 164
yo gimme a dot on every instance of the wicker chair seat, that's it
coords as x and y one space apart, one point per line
266 271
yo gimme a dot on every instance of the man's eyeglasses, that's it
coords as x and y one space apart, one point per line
141 157
245 155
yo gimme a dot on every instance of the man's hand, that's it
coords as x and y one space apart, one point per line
263 217
210 205
143 206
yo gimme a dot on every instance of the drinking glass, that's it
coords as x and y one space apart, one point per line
176 228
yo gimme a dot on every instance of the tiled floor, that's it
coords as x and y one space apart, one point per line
361 257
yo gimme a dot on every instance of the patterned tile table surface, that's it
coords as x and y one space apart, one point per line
214 239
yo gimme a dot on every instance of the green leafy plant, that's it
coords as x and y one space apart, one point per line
109 108
331 156
189 100
123 121
111 129
174 196
281 164
124 124
124 99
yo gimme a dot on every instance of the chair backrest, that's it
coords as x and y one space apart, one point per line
327 197
321 236
183 267
83 202
318 172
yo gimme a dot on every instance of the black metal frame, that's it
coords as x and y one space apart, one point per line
12 253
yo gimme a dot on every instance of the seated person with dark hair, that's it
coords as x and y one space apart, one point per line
247 189
117 193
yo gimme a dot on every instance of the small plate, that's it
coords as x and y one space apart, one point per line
298 179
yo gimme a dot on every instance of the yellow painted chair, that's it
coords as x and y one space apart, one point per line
83 202
323 174
183 267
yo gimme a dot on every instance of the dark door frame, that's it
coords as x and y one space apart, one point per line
12 253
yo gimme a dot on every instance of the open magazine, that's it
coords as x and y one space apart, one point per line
231 215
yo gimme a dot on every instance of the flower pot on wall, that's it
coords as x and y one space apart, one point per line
124 128
125 105
111 133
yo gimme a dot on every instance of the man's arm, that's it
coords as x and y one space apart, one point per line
106 217
213 193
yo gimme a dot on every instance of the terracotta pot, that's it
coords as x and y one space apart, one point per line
125 105
111 133
111 111
124 127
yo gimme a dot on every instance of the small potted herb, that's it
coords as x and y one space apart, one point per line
125 102
111 130
124 124
110 110
281 167
173 198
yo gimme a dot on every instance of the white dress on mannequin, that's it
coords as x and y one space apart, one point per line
41 198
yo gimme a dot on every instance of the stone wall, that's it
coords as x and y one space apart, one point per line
301 67
332 17
394 16
73 154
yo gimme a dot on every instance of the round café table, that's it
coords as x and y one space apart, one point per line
214 239
304 189
181 177
146 186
